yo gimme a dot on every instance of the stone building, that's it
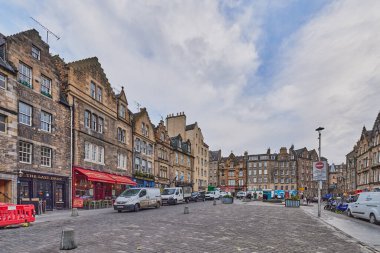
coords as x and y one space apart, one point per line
183 161
144 146
102 131
363 160
366 158
8 128
43 122
213 164
305 183
200 153
176 125
336 182
233 173
350 174
262 171
162 157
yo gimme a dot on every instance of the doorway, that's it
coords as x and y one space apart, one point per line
44 192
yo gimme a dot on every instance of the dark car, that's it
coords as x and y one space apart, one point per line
197 196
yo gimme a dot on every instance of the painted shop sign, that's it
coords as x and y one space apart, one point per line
43 177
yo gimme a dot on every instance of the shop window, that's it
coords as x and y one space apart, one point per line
59 193
25 190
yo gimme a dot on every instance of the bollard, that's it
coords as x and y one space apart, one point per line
186 210
214 202
67 239
74 212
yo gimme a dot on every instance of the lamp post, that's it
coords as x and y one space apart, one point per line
319 129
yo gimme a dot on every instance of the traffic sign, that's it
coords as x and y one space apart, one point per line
319 165
320 171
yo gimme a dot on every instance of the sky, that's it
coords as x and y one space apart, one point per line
253 74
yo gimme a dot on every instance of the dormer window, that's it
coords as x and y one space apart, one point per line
122 111
36 52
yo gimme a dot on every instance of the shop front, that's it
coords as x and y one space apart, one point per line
97 189
51 190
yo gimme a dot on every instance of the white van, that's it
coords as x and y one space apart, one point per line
137 198
173 195
367 206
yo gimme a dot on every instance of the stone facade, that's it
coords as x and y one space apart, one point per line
305 161
233 173
144 146
43 121
8 128
200 153
163 157
176 125
365 158
183 161
213 164
350 174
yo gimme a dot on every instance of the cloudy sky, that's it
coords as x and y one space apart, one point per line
253 74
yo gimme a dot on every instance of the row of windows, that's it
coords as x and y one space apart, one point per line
163 172
96 92
92 121
25 154
181 176
25 76
94 153
142 146
25 117
143 165
182 160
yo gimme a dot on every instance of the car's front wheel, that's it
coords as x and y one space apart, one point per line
349 214
137 208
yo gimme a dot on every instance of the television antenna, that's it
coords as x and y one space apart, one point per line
47 31
138 105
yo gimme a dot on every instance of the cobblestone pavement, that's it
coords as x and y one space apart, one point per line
360 229
222 228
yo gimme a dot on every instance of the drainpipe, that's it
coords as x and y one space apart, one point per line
71 159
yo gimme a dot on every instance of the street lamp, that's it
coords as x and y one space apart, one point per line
319 129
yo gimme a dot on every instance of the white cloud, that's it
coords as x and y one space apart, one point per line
174 56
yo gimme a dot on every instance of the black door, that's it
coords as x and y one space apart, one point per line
44 191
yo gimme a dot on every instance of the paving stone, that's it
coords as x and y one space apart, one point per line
207 228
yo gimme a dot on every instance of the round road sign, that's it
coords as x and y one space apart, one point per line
319 165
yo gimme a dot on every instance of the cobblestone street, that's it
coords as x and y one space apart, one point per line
208 228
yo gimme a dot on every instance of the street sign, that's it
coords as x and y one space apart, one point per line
301 189
320 171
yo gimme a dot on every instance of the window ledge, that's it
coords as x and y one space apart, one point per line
25 162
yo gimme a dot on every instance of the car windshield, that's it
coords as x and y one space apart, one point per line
194 193
210 193
130 192
168 191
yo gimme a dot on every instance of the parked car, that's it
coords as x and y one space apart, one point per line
198 196
314 199
176 195
367 206
241 195
213 195
137 198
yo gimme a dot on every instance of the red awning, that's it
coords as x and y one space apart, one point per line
96 176
123 180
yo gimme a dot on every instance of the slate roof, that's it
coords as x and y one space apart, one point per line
4 64
190 127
